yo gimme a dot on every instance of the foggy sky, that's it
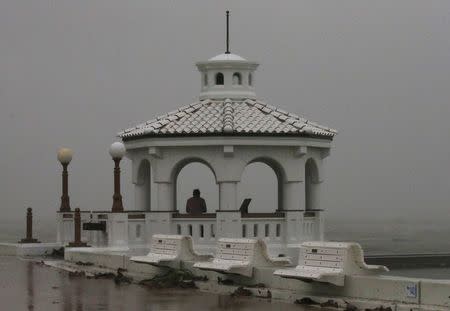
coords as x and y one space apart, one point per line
74 73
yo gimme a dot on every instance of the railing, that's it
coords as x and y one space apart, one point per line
267 226
311 222
275 228
202 228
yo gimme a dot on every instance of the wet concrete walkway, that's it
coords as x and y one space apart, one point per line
26 285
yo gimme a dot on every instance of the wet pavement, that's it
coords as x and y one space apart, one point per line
26 285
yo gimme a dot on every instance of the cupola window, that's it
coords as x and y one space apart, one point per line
237 80
250 78
219 78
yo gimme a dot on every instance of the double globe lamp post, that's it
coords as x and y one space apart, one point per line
117 151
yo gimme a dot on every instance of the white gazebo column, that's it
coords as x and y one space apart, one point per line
293 207
316 206
141 196
294 195
315 195
164 196
228 196
158 220
228 215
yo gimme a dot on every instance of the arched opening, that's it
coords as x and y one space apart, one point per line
196 175
237 80
143 187
219 78
311 185
250 79
262 183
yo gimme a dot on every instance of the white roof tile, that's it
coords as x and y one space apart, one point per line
225 118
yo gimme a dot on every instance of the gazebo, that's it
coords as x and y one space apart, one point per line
227 129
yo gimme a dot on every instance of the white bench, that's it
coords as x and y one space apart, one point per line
330 262
167 250
239 256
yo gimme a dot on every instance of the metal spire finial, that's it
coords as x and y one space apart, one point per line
228 33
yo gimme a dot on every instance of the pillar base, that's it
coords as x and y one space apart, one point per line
23 241
78 244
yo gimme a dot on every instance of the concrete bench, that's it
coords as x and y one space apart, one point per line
170 250
330 262
240 256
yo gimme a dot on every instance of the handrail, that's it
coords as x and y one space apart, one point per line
193 216
263 215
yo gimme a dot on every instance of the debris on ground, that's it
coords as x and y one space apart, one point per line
225 281
329 304
350 307
39 263
57 253
76 273
380 308
306 301
104 275
81 263
258 285
173 278
241 292
121 278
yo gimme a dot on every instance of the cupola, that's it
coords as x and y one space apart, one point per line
227 75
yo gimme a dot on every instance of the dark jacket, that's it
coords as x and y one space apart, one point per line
195 205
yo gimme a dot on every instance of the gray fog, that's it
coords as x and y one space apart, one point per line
74 73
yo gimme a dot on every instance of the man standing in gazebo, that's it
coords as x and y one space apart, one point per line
196 205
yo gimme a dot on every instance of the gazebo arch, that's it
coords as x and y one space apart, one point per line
312 185
178 167
143 186
259 182
279 173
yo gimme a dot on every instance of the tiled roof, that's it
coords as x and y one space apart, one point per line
227 117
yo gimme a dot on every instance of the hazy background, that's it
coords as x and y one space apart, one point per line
73 73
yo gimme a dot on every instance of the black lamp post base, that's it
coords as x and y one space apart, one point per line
78 244
24 241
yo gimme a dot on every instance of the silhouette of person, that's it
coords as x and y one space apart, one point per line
196 204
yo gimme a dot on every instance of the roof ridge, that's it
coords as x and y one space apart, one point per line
291 118
228 116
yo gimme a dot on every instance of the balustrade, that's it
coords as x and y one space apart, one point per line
139 226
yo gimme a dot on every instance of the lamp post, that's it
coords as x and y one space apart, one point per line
64 157
117 151
29 233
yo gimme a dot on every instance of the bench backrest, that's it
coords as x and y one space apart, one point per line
325 254
347 256
236 249
165 244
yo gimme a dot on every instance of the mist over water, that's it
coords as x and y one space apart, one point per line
73 73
